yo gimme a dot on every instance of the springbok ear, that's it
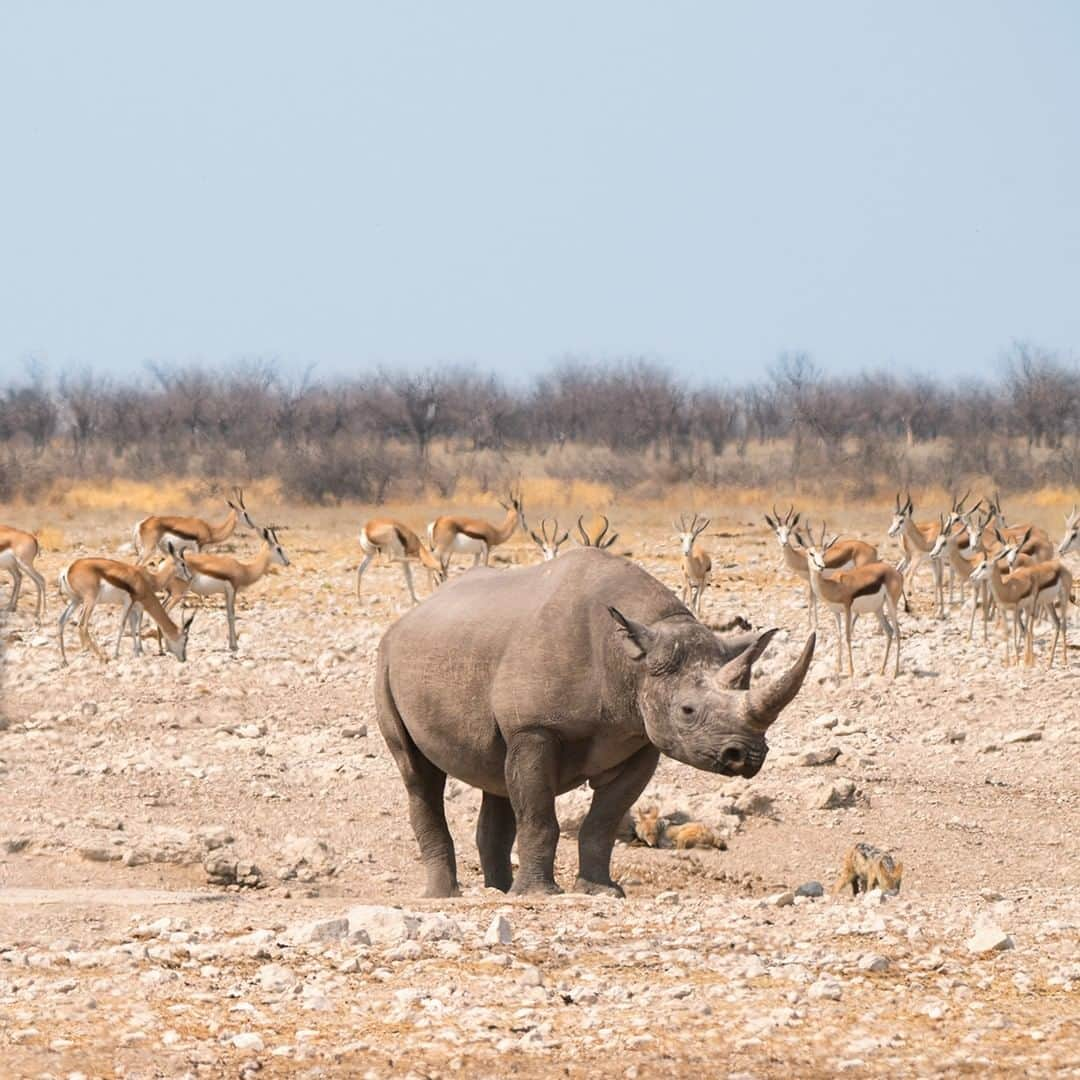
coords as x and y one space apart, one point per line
795 519
636 638
188 621
768 521
536 539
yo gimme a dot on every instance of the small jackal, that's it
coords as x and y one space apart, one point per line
865 868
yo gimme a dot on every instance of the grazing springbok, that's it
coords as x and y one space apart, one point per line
870 588
88 582
1038 545
601 539
549 545
221 574
451 535
108 593
396 542
188 533
696 563
18 550
1071 540
1024 591
918 540
843 555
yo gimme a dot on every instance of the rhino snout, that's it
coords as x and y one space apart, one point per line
739 759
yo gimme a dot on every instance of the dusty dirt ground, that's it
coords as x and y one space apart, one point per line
125 788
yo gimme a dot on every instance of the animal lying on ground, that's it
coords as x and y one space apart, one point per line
529 682
867 867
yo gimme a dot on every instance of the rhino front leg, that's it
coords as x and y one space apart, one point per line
495 831
610 803
531 771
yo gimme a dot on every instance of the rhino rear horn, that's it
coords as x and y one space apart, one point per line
736 673
767 700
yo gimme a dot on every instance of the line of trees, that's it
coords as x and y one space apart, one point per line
631 424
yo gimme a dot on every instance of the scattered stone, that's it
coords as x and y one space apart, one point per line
781 899
874 962
989 938
754 804
382 925
824 989
1024 735
248 1040
810 888
812 758
276 978
359 731
499 932
835 795
531 976
318 931
306 859
667 897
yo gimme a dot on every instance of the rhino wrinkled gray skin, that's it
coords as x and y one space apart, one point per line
527 683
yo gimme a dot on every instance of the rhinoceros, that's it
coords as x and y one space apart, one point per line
528 682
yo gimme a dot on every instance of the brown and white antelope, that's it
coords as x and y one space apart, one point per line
1071 540
918 539
396 542
600 539
549 545
451 535
1024 591
872 588
18 550
88 582
843 555
213 575
109 593
1038 544
953 543
696 564
188 533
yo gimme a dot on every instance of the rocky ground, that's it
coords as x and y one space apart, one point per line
207 869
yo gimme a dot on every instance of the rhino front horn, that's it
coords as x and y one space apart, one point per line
767 700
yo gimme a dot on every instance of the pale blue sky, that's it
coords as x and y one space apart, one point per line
711 183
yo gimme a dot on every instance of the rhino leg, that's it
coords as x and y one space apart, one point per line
425 784
495 831
532 759
610 803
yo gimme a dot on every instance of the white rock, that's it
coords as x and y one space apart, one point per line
276 978
781 899
873 962
320 930
824 989
383 925
989 938
500 932
248 1040
1024 735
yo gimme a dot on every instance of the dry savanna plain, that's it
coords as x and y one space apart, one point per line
206 869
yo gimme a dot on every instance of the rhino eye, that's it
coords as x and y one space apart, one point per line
688 710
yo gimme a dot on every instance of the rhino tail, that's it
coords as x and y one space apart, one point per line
399 742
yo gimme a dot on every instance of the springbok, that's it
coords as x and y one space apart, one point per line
109 593
188 533
601 539
696 563
1023 591
950 543
221 574
918 540
18 550
1038 543
451 535
869 588
549 545
87 582
843 555
398 543
1071 540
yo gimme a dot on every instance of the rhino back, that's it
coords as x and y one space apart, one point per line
493 652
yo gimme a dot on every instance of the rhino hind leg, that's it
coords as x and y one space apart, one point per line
495 832
610 803
532 759
425 784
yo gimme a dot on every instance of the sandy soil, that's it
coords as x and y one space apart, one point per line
120 785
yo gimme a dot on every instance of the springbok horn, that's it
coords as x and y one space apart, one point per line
736 673
765 702
581 529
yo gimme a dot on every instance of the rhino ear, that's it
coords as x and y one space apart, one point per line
736 673
635 638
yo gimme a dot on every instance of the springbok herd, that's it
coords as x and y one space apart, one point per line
1012 569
